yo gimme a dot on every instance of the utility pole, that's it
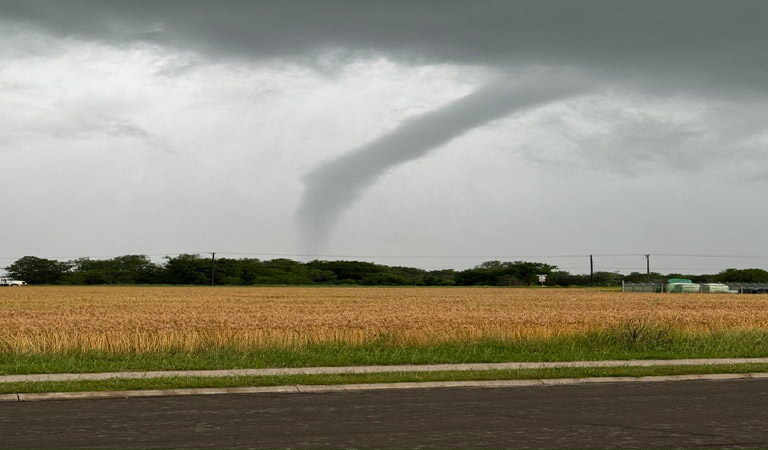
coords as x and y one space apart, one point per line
648 266
213 266
591 271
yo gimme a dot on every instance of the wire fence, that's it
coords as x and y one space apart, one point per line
741 288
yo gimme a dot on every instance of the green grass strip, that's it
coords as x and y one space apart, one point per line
619 344
398 377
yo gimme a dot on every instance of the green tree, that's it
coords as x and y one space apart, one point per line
445 277
35 270
614 278
498 273
128 269
563 278
743 276
528 272
188 269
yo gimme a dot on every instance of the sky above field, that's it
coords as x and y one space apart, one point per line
494 129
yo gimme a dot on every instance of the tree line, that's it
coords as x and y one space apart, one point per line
193 269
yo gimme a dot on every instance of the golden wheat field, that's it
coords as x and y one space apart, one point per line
145 319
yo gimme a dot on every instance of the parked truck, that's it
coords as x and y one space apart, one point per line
5 281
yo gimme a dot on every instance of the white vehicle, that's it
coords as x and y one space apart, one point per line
4 281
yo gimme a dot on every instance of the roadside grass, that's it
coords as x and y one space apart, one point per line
628 341
397 377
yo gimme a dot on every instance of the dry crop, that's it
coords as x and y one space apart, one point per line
144 319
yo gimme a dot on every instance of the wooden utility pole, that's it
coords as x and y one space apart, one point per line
213 266
591 271
648 266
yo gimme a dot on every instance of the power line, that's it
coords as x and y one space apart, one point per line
326 255
710 256
106 256
487 257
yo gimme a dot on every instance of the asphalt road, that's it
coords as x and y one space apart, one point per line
690 414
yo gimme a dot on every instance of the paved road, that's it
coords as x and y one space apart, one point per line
696 414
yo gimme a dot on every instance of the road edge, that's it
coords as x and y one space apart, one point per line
376 369
300 389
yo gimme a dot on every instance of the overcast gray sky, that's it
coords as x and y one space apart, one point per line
387 128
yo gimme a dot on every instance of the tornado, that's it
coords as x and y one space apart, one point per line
333 187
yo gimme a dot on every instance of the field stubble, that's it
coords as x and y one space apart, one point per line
156 319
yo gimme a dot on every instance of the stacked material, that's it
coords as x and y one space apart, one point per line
681 285
714 287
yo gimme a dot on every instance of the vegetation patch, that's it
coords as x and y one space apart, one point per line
616 344
399 377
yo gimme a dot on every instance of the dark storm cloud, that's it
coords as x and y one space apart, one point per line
705 49
690 44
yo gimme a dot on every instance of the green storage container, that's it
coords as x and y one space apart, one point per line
679 280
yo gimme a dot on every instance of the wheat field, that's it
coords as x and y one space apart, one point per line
148 319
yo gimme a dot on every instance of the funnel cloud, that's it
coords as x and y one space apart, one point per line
332 188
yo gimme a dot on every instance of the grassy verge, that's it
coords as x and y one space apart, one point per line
629 342
200 382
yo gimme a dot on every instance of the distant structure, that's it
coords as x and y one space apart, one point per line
685 286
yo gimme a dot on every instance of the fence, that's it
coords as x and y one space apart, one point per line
749 288
642 287
742 288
